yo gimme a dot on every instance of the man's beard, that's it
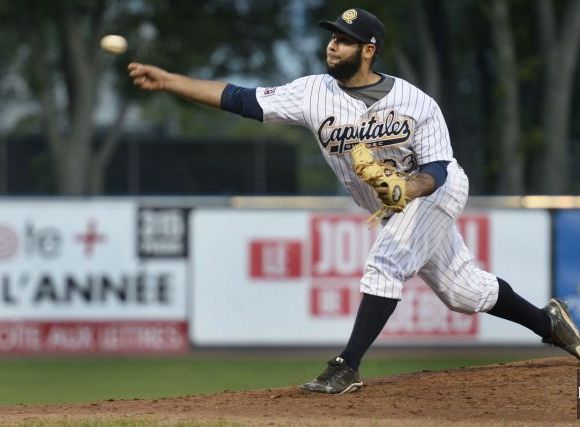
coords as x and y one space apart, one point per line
344 70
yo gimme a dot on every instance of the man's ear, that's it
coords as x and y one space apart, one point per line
369 50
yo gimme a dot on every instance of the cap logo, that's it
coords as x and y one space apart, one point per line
349 16
373 40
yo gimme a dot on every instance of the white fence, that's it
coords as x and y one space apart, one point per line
156 275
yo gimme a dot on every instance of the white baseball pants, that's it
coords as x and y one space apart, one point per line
424 240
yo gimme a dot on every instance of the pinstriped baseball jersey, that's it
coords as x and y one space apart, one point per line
405 128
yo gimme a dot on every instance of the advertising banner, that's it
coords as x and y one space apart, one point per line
567 259
292 278
84 336
73 277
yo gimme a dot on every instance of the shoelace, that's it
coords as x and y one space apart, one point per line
332 369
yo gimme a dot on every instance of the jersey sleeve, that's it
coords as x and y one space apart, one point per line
284 104
432 142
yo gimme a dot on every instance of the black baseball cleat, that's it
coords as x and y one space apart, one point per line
337 378
563 332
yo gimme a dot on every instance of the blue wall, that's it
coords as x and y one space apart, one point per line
567 259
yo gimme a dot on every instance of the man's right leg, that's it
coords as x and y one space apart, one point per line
464 287
553 323
511 306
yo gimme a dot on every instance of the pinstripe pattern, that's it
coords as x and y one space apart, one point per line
453 275
309 100
424 240
405 127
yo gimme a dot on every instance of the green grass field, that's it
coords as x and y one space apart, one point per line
84 380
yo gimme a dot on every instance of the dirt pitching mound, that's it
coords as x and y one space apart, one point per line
540 392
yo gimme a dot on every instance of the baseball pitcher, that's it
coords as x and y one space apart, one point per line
388 144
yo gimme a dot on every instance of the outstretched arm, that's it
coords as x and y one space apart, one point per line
148 77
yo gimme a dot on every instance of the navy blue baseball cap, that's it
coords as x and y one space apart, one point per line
359 24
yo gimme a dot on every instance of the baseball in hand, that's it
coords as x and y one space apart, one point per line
114 44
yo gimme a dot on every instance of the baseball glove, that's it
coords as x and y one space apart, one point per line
392 184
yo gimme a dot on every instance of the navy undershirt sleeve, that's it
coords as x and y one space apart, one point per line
242 101
438 170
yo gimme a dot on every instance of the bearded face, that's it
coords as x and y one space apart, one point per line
345 68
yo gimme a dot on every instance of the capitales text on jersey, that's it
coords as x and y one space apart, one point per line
339 139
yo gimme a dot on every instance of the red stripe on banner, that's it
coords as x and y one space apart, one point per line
330 301
80 337
339 245
475 230
275 259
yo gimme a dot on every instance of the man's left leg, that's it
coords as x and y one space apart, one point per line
342 374
402 247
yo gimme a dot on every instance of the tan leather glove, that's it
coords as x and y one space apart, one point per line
393 184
